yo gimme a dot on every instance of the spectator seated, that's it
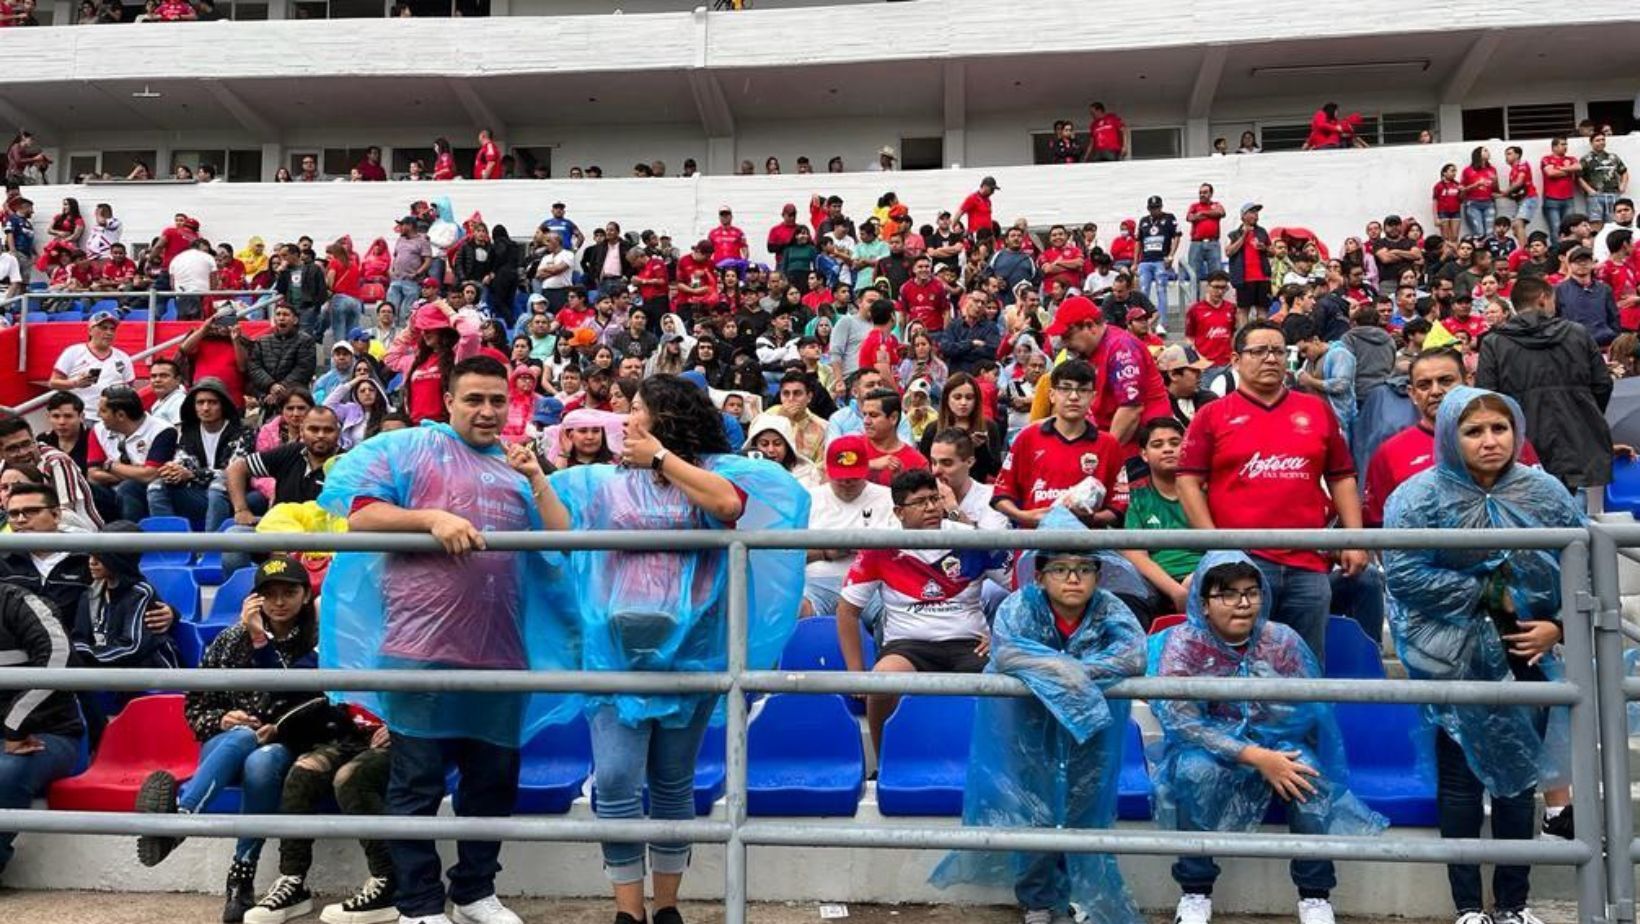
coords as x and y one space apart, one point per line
804 758
150 734
924 762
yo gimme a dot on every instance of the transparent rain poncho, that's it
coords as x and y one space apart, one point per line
668 611
1439 600
1199 783
1052 760
431 611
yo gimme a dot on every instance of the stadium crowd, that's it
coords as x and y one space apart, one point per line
866 371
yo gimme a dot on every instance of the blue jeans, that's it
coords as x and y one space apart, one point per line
1154 273
204 508
415 786
1553 211
1361 598
401 294
1196 875
1477 217
235 757
25 777
623 758
1202 258
344 316
1300 600
1601 206
133 499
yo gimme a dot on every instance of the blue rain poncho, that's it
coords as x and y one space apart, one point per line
1199 782
1052 761
668 611
1438 600
430 611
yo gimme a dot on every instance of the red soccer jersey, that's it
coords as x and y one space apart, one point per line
174 240
569 319
652 282
119 270
1266 466
1126 374
1521 175
444 167
877 341
1486 176
1107 132
1211 329
975 212
1202 228
1448 197
1071 278
1474 326
925 302
1624 282
909 458
487 165
1559 187
728 243
1400 457
1042 464
219 359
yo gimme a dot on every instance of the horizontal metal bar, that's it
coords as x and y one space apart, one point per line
373 827
44 295
680 540
785 833
1273 689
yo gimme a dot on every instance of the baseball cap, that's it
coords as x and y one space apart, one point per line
280 569
1078 309
846 458
1155 202
990 181
343 346
357 333
672 338
724 210
1580 253
1251 207
886 150
430 281
1136 314
1179 356
102 317
536 298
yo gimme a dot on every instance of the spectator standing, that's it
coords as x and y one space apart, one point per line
784 234
1062 261
923 299
436 338
1204 256
282 359
848 335
1127 388
1210 323
569 234
1327 130
1395 251
1108 137
1328 371
17 230
1586 300
1184 370
970 338
371 169
1553 368
1048 459
730 249
1603 177
487 162
1480 188
1247 253
193 270
1263 457
975 210
1520 200
961 410
1013 266
1158 234
86 369
217 350
343 282
412 257
1448 197
1560 179
301 285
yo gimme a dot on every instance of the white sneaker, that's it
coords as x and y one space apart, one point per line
429 919
1315 911
1473 917
1193 909
1039 916
487 910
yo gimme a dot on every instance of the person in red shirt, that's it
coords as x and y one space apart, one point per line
1327 130
696 280
1211 322
1560 172
1480 185
1463 318
444 160
729 247
1520 195
923 298
1062 261
1204 256
1124 245
886 454
118 271
1618 272
1107 135
217 349
371 169
654 282
1050 457
1265 457
1128 389
179 237
780 236
1448 195
575 312
975 211
881 349
487 162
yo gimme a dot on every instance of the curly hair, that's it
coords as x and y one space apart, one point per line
682 417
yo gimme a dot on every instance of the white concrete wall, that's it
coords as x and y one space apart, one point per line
1333 193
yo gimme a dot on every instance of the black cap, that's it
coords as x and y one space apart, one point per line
990 181
281 568
1154 202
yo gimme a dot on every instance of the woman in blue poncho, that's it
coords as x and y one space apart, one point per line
1476 614
1052 761
667 611
1222 761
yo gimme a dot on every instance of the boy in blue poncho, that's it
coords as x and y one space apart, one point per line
1221 761
1052 761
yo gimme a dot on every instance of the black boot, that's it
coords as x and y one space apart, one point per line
158 795
241 891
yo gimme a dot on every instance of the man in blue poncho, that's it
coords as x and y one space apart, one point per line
465 609
1051 761
1221 761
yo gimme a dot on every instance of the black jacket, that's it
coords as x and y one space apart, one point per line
62 587
469 266
30 636
1553 368
306 295
236 439
276 358
592 262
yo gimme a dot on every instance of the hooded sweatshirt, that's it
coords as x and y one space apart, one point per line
108 629
231 440
1374 351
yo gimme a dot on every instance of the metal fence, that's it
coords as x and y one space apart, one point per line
153 298
1594 679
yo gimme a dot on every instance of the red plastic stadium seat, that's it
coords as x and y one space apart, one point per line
1163 623
150 734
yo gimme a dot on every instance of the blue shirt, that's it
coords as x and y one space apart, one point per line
22 234
1591 306
564 228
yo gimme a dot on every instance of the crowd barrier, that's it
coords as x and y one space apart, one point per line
1596 689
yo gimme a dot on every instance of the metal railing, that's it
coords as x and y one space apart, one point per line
1596 871
1609 543
154 298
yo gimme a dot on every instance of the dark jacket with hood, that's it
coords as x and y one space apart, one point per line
1374 351
31 636
236 439
108 628
1553 368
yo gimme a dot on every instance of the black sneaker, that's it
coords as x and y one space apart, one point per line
1560 826
241 891
289 898
668 916
158 795
372 904
621 917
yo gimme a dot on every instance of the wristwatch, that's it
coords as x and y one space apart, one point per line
660 456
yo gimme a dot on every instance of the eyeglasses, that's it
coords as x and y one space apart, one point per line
1262 353
19 514
1237 597
927 500
1074 391
1064 572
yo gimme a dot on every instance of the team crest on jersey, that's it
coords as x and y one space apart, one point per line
1090 462
952 566
1301 422
931 590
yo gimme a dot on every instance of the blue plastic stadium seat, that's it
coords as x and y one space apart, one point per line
208 570
1624 491
555 766
813 647
1133 784
231 596
166 525
39 317
177 587
68 317
1350 654
804 758
924 760
194 636
1382 742
137 314
170 313
38 285
105 304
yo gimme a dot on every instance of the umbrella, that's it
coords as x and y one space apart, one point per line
1623 411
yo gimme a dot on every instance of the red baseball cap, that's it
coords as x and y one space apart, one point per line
1078 309
846 458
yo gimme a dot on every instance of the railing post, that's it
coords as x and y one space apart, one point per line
1614 725
22 335
153 318
734 861
1577 611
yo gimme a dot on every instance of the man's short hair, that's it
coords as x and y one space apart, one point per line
1157 424
487 366
958 439
1529 291
910 482
124 400
1625 200
11 424
1217 276
1439 353
1076 371
1291 292
60 398
1366 315
1222 576
794 377
326 409
882 311
1619 239
1299 328
889 398
176 368
1239 343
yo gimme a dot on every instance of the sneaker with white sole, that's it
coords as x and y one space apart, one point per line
372 904
425 919
288 898
1518 916
1039 916
1473 917
1193 909
487 910
1315 911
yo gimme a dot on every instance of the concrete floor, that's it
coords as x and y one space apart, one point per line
149 908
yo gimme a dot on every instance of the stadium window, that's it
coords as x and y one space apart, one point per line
118 164
1156 143
1376 128
1041 153
340 161
1541 120
1483 124
525 160
81 165
403 156
922 153
244 166
1619 114
243 10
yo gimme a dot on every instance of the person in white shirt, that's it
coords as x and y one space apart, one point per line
846 501
165 378
104 233
1622 220
87 368
11 275
193 270
965 500
127 435
556 272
